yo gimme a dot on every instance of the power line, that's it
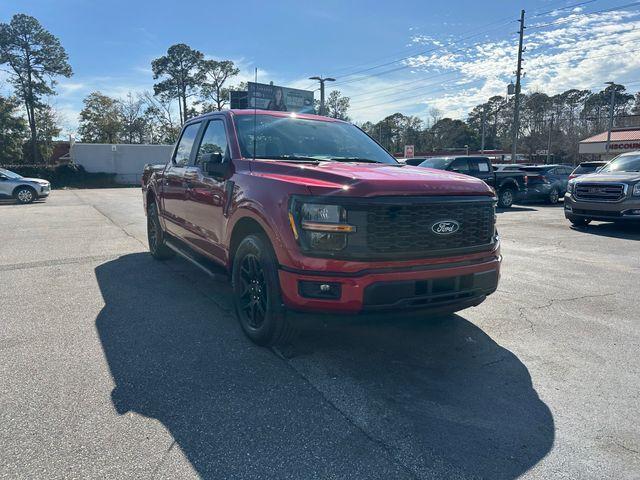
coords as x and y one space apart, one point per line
564 62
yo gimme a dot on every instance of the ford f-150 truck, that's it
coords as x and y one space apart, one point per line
309 214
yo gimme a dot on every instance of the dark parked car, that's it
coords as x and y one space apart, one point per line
308 213
587 167
547 182
509 186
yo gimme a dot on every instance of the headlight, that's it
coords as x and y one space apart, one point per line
636 189
570 186
323 227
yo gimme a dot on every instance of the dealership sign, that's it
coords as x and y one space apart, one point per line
283 99
625 146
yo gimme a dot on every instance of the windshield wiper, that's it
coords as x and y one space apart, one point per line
354 159
290 158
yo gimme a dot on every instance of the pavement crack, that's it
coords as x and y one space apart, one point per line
112 221
162 459
386 448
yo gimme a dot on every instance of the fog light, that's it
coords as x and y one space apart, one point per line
324 290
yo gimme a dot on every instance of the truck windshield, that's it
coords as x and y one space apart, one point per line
301 139
623 163
437 163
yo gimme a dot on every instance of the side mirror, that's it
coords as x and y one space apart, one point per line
212 165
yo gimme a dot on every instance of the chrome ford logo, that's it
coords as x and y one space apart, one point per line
445 227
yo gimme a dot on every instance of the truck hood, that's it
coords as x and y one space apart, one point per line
613 177
370 179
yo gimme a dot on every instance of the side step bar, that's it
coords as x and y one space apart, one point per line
214 271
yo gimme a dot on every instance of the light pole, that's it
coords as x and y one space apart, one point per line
322 80
611 108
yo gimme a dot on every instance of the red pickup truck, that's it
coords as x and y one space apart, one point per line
309 214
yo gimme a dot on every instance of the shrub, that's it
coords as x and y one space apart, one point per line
74 176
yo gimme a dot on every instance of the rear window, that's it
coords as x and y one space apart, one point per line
584 169
438 163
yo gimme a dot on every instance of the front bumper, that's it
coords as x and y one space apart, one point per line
622 210
44 191
434 287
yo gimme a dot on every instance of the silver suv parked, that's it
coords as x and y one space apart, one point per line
23 190
611 195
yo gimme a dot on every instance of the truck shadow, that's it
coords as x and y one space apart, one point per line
442 398
627 231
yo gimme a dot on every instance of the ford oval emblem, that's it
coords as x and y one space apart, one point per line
445 227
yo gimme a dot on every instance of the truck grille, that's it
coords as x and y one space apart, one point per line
407 229
600 192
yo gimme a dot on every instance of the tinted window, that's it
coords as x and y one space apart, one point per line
460 165
479 164
186 144
214 140
437 163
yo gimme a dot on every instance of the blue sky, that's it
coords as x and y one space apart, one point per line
458 52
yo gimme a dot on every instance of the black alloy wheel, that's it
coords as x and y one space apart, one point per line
256 293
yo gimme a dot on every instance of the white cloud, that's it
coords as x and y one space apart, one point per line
580 50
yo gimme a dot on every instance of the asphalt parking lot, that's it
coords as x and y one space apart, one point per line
113 365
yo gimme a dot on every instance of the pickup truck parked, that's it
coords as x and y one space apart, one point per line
308 213
509 185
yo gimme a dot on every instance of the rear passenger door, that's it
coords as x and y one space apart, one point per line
481 168
205 194
174 186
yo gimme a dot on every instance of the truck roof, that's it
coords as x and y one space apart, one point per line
232 112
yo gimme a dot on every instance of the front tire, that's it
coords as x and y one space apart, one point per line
155 235
554 196
25 195
256 293
505 198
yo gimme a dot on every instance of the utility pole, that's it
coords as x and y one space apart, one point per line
322 80
549 140
611 109
484 123
516 107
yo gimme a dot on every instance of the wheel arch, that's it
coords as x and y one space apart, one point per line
23 185
243 227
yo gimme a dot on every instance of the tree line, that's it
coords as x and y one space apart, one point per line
559 121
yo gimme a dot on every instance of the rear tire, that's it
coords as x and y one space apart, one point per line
505 198
579 222
155 235
25 195
256 293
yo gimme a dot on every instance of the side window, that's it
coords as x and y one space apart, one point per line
185 145
460 165
479 165
214 140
